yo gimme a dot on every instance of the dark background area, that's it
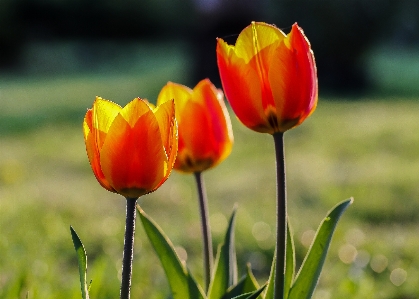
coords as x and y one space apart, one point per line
342 32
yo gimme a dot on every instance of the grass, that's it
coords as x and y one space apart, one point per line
367 149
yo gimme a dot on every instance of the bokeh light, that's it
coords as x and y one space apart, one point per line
379 263
398 276
347 253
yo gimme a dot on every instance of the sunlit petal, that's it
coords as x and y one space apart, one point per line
133 158
212 103
103 114
255 38
93 151
134 110
165 116
242 88
173 91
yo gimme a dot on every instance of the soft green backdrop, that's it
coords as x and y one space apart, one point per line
365 147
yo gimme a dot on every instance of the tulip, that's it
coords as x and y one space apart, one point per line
132 149
269 78
205 139
205 134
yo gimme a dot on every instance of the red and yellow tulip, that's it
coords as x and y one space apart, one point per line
132 149
269 78
205 134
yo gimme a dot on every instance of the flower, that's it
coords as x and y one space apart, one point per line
269 78
205 134
132 149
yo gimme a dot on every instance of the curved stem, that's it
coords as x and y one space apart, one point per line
128 248
206 229
281 215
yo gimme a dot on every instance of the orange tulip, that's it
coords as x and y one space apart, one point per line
205 134
269 78
132 149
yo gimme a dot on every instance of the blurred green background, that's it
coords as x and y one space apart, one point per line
362 141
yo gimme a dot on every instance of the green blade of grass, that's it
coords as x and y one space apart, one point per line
309 273
82 260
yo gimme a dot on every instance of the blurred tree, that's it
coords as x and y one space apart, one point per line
340 31
10 34
101 19
218 18
404 24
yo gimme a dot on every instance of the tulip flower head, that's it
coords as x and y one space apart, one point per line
205 134
269 78
132 149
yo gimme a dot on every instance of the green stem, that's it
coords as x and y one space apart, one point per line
281 215
206 229
128 248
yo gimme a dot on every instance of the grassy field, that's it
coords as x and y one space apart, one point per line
365 148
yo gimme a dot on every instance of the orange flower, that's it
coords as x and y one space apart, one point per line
269 78
132 149
205 135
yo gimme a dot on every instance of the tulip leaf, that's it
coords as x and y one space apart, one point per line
225 270
236 290
182 284
250 283
251 295
309 273
82 260
246 284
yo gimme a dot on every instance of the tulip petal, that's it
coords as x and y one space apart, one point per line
133 158
285 88
93 151
212 99
262 63
220 134
180 94
308 68
165 116
173 91
242 88
197 140
256 37
104 112
294 82
134 110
